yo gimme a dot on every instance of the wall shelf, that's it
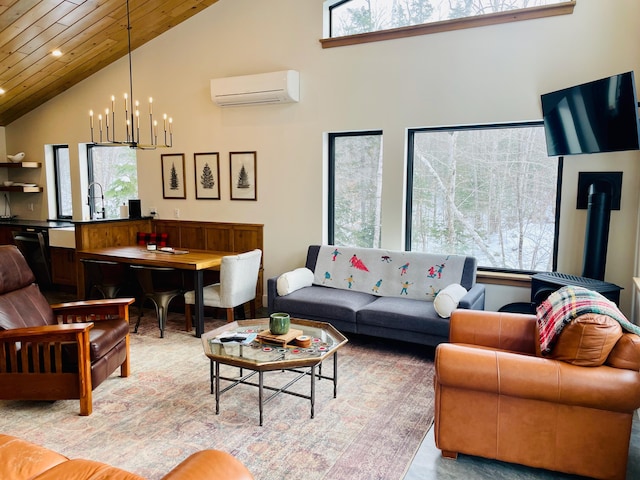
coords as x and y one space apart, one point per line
20 165
31 187
21 188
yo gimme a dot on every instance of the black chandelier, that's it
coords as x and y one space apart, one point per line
106 131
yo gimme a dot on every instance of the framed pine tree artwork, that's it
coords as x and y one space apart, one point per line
243 175
173 185
207 175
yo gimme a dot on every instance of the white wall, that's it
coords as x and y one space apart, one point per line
483 75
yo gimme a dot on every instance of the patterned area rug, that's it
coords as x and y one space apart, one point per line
151 421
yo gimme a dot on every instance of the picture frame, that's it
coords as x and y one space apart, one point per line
207 175
243 177
173 181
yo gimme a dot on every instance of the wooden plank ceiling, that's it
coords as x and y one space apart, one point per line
90 34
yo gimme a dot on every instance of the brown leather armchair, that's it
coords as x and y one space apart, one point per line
495 398
56 352
22 460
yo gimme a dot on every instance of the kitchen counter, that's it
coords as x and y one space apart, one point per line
107 220
18 222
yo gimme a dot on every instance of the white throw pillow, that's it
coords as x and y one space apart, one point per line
448 298
295 279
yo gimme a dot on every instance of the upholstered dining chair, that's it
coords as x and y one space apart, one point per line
238 280
160 285
56 352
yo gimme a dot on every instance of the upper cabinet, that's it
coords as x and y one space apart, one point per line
15 186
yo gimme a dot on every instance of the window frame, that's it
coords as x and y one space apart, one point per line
331 181
57 177
410 177
90 149
530 13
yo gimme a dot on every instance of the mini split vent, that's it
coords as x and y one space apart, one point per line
260 89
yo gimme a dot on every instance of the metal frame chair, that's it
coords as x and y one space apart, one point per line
159 290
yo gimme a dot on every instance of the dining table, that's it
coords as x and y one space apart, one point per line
194 260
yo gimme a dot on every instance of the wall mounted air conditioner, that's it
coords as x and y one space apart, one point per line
260 89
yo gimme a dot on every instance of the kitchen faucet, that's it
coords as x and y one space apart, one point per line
91 198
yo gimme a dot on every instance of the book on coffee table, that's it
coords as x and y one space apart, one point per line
291 335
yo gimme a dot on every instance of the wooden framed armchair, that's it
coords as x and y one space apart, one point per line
56 352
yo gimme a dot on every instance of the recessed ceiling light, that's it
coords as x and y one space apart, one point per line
56 53
2 91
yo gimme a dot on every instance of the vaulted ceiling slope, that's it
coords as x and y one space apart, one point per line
90 34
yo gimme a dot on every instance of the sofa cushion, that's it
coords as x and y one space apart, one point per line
16 271
323 302
21 459
104 335
405 314
569 303
80 469
294 280
587 340
626 353
447 299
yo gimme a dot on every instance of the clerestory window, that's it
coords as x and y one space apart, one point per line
358 21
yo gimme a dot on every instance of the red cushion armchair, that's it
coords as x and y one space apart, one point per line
60 351
496 398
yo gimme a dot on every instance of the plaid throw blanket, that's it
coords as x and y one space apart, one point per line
569 303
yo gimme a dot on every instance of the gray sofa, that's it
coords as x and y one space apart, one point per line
392 317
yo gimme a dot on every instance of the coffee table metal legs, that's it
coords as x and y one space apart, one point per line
313 389
260 389
312 373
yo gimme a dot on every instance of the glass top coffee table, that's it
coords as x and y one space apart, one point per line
260 356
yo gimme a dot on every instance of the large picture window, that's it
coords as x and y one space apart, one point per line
355 189
486 191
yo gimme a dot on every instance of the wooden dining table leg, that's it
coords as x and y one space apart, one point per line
198 284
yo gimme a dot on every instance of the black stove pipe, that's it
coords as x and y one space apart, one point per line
597 230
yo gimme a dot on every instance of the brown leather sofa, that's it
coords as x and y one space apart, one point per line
497 398
56 352
22 460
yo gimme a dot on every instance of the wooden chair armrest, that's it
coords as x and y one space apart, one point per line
92 310
54 333
92 304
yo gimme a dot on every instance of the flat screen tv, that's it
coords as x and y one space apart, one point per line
599 116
